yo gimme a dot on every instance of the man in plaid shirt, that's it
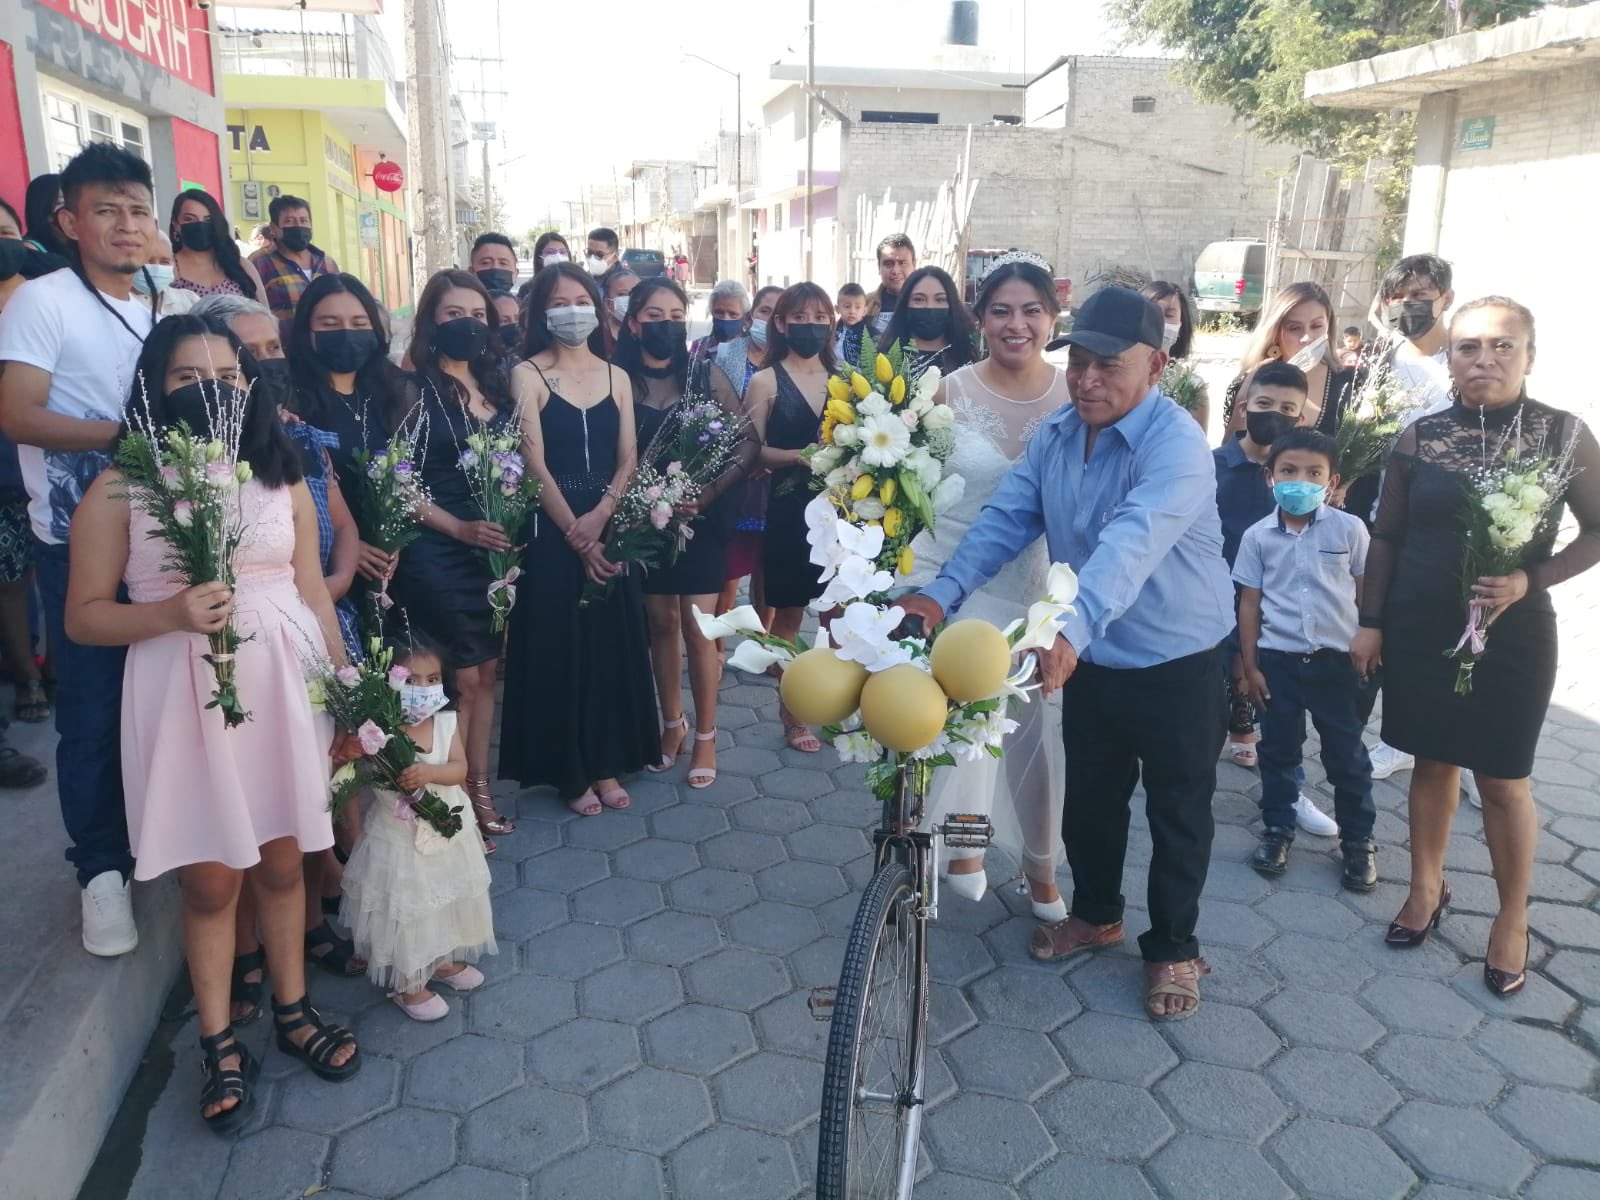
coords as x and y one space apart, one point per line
291 262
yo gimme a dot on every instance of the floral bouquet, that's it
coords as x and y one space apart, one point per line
365 700
881 458
392 497
693 447
189 487
1182 384
1508 506
505 492
1372 424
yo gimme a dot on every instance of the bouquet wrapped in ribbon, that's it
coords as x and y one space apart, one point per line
880 463
189 486
1374 421
653 521
364 699
505 492
392 497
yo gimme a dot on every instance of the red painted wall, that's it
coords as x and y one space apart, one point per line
173 34
13 151
197 152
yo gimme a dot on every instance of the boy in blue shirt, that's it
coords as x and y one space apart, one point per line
1299 571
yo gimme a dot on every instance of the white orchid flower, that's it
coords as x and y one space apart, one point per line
857 747
936 747
948 493
855 579
866 635
755 658
743 619
884 441
863 540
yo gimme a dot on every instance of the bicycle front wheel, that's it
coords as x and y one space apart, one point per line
872 1081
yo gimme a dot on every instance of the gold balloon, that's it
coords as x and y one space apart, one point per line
820 688
903 708
970 660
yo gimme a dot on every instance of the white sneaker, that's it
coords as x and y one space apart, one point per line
1386 760
108 928
1312 819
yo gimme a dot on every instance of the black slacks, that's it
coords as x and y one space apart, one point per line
1165 723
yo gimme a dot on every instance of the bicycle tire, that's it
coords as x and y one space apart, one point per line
873 1174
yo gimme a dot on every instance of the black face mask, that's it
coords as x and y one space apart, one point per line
462 339
344 350
509 335
295 238
274 371
188 404
1265 428
198 235
928 324
13 253
496 279
806 339
663 339
1413 318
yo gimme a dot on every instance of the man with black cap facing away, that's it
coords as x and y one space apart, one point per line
1122 484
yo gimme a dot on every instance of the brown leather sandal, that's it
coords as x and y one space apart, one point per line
1051 943
1173 979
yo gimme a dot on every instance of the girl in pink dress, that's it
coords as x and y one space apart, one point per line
211 802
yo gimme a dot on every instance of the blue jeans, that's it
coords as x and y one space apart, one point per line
1324 685
88 708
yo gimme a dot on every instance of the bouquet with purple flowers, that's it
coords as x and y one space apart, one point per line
392 497
505 491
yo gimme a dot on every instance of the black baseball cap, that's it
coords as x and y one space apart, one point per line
1112 320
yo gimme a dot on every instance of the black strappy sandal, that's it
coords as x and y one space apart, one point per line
320 1047
339 957
248 991
226 1084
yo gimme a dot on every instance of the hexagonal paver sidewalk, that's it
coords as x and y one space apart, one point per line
645 1030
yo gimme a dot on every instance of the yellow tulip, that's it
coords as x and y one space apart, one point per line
841 412
887 491
893 522
827 430
897 390
885 371
838 389
907 560
862 487
859 385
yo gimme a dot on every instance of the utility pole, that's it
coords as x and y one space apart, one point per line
483 92
427 150
811 120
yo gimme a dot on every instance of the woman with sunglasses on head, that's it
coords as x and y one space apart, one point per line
1297 327
579 699
206 259
932 319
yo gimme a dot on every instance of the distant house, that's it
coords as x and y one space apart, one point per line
1507 170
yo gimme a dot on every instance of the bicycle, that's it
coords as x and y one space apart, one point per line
873 1080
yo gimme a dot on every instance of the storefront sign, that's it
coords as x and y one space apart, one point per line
371 237
387 176
171 34
1477 133
258 138
338 157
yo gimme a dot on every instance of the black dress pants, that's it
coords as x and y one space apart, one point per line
1165 723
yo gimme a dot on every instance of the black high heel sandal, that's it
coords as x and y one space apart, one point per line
224 1083
1403 937
1507 983
318 1050
248 991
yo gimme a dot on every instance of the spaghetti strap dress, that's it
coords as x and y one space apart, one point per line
793 580
579 696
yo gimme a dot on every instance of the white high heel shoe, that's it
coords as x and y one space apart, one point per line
971 884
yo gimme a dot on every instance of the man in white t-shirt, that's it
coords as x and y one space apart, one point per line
69 344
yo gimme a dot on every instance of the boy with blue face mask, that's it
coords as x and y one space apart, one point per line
1299 572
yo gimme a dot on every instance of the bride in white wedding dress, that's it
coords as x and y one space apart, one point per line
997 404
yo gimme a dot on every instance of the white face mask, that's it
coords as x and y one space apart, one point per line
418 702
1169 335
554 256
596 264
758 333
1310 355
161 275
619 307
572 326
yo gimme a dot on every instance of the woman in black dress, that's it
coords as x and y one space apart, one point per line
654 350
786 399
1412 614
932 317
579 700
443 579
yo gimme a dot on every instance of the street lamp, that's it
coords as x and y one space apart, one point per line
738 120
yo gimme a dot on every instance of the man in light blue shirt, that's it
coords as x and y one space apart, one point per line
1122 485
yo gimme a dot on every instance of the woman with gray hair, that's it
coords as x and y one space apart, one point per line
729 305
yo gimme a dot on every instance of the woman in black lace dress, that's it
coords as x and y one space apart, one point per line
1412 614
579 700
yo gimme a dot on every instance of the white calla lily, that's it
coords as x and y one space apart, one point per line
927 385
743 619
755 658
1045 620
1061 584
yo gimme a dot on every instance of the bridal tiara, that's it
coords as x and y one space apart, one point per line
1022 256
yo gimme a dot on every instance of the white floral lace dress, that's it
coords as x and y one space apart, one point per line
1021 792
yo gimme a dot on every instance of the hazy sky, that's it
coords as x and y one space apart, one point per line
592 86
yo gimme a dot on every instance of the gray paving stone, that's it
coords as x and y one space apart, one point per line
742 850
738 1164
525 1130
527 911
1334 1084
1588 865
394 1152
572 951
1073 1177
949 1013
817 964
565 870
1337 1162
1018 1063
1224 1034
946 1185
1539 1000
1119 1049
1562 884
1237 977
1578 971
630 991
693 823
388 1031
987 1136
1458 1145
1420 1006
305 1102
774 927
796 783
1535 1055
1309 962
773 1092
1559 1125
798 882
736 978
1027 997
1202 1168
1233 881
617 901
1311 1018
672 938
957 958
656 860
768 814
467 1181
1226 924
787 1024
1565 924
1109 982
618 1173
608 831
1093 1118
1221 1100
1303 912
521 1007
1447 1070
1563 1183
288 1161
712 891
583 1054
698 1039
650 1110
463 1073
835 844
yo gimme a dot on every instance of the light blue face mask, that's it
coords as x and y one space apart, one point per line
1297 497
758 333
161 276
